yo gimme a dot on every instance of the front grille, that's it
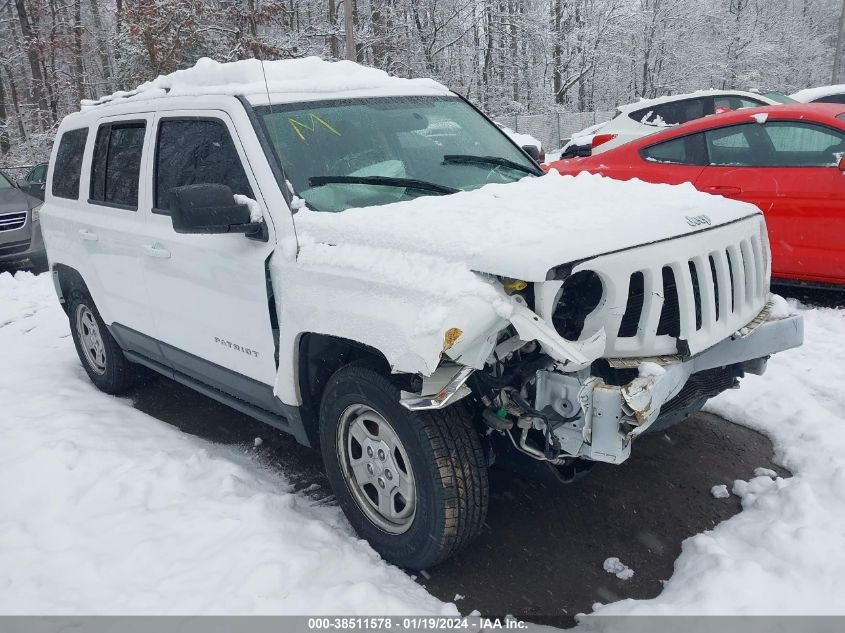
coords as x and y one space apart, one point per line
706 278
11 221
681 296
13 248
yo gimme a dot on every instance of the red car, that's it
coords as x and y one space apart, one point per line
786 159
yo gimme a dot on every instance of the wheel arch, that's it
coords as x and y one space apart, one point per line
67 279
319 357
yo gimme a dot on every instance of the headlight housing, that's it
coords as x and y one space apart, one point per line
580 294
35 213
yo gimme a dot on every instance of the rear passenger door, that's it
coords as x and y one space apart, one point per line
108 223
209 292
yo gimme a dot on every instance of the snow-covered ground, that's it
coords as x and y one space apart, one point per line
785 552
104 509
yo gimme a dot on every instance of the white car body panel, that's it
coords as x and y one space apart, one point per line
104 243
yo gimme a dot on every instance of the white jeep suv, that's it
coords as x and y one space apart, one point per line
371 265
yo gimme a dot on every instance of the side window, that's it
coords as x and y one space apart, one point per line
672 113
739 145
37 174
68 165
831 99
116 166
195 151
735 103
798 144
687 150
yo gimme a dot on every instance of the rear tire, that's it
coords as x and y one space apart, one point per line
432 469
101 356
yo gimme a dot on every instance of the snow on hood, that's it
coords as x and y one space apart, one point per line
521 229
307 78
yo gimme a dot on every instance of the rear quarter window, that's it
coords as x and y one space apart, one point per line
671 113
67 167
831 99
687 150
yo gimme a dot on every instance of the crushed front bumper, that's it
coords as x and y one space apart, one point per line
614 415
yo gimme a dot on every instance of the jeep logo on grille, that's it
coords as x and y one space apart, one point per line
698 220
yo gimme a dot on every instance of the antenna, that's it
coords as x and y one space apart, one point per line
266 85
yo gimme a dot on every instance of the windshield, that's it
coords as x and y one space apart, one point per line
4 182
365 152
776 96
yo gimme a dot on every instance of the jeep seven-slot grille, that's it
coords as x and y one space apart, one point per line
713 290
677 296
10 221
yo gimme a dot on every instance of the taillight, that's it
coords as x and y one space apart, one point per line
601 139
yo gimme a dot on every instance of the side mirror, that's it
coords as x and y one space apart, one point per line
842 163
211 208
533 151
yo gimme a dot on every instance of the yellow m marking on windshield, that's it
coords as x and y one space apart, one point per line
311 126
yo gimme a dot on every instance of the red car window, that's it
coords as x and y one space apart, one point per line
686 150
775 144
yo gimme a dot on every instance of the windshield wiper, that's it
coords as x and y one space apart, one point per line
385 181
488 160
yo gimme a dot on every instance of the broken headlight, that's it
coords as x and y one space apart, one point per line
580 294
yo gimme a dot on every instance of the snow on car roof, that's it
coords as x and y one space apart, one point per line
287 81
644 103
809 94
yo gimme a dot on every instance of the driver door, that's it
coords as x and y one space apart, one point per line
209 293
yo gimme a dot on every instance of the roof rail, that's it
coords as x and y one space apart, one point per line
116 96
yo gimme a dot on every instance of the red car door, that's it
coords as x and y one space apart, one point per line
790 170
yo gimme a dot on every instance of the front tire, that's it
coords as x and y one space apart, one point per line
413 484
101 356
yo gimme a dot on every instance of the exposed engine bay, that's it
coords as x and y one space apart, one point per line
560 412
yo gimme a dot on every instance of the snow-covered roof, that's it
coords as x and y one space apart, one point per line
644 103
521 138
811 94
286 81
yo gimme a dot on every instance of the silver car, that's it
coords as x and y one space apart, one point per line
20 226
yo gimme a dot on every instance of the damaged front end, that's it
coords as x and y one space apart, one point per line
587 363
558 411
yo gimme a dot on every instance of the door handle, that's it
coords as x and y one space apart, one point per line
724 190
88 236
154 250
